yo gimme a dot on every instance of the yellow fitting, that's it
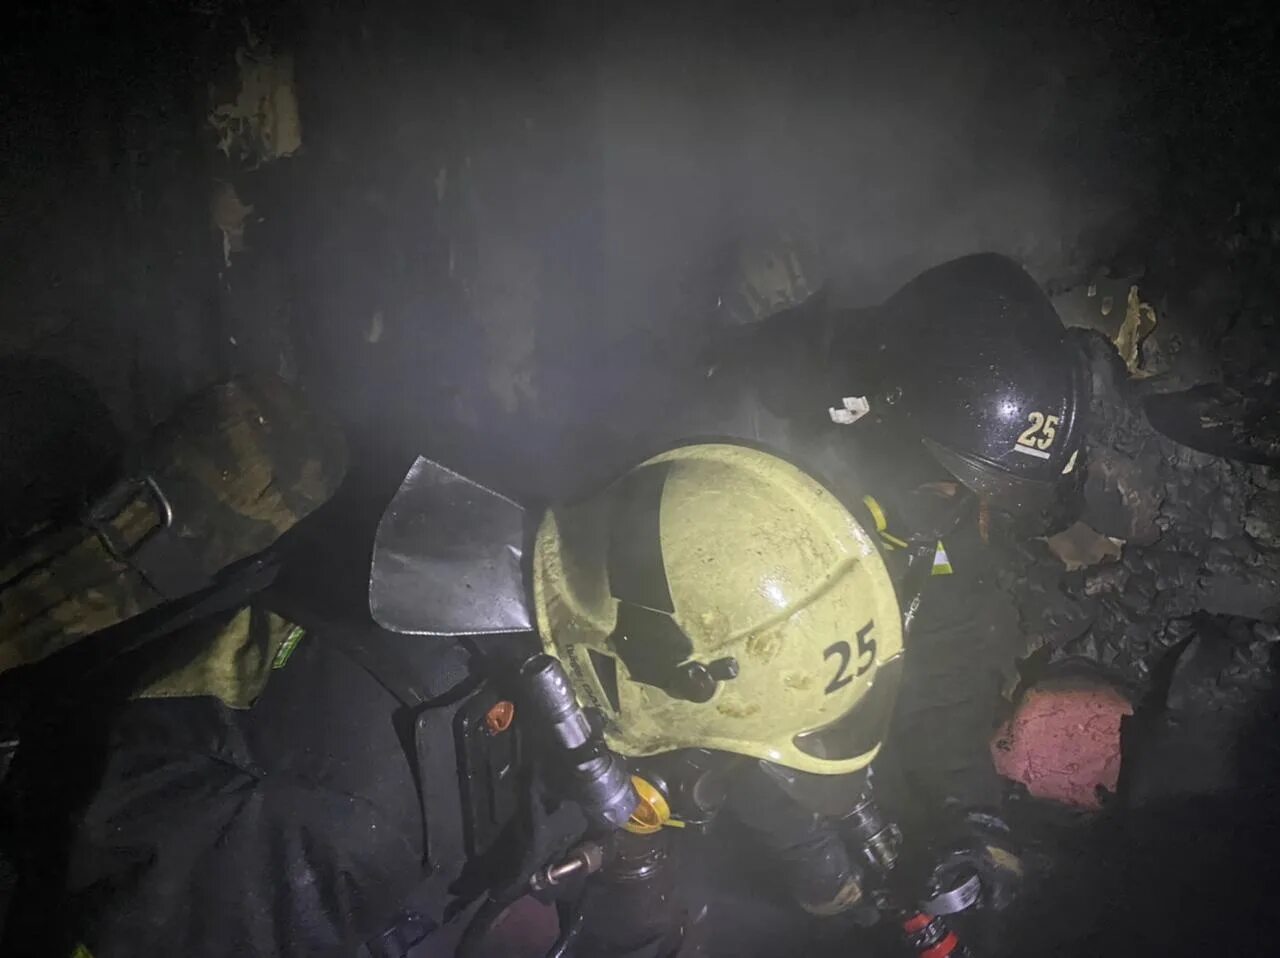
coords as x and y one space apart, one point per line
652 812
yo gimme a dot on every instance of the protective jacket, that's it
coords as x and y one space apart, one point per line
198 796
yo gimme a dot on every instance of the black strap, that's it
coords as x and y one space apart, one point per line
168 565
647 637
64 671
637 573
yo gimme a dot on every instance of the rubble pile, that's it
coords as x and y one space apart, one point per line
1189 607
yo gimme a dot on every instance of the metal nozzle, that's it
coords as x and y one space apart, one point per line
552 698
878 838
585 859
602 784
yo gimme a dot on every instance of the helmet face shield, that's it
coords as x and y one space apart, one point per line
767 582
1037 506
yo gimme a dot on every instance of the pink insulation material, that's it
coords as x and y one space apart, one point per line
1063 743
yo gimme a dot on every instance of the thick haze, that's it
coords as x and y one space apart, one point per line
500 238
900 137
904 135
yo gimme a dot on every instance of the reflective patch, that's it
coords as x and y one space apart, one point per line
287 646
81 951
1028 451
848 896
1004 859
941 562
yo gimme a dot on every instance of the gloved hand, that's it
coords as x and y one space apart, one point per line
982 844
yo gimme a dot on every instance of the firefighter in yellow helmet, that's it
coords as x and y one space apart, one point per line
726 620
712 632
732 622
711 618
717 597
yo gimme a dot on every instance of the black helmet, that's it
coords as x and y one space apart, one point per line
972 359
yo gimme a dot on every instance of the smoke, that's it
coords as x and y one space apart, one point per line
531 211
898 135
901 136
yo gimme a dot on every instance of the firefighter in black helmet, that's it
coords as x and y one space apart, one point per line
967 368
950 415
973 363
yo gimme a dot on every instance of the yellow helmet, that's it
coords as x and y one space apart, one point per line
718 597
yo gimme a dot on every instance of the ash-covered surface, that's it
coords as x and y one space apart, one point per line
1201 534
1186 615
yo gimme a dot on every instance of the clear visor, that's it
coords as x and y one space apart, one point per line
1037 504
